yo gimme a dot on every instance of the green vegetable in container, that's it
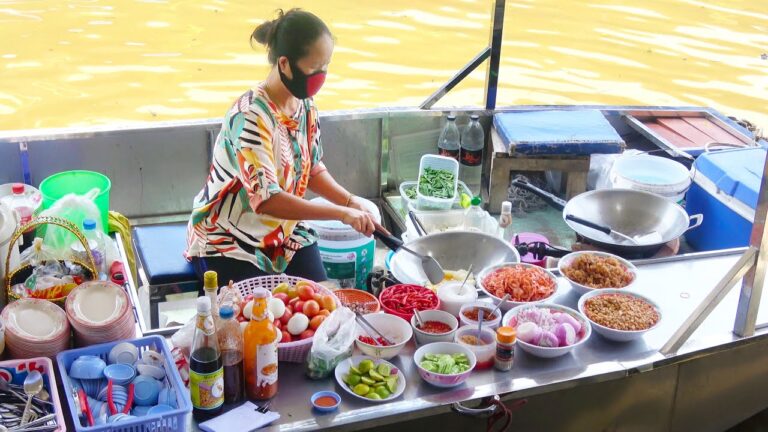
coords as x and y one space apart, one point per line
410 192
437 183
445 364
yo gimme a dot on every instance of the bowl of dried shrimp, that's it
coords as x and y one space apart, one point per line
525 284
589 270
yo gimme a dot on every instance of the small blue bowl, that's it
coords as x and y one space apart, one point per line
87 367
167 397
146 390
157 409
325 409
140 411
120 373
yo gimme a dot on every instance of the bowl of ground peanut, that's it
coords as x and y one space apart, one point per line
619 315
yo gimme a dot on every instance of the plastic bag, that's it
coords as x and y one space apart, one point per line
333 342
76 209
37 254
183 338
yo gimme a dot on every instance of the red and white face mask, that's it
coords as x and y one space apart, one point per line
302 86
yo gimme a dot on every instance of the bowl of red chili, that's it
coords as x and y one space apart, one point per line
402 300
439 326
392 327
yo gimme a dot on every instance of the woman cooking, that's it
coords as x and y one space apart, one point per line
246 221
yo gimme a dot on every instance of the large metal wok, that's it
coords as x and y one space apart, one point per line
454 250
634 213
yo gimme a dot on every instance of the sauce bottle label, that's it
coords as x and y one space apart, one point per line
266 364
206 390
205 325
471 157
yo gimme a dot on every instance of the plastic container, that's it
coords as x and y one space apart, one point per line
15 371
96 243
654 174
484 353
449 144
424 202
170 421
487 308
31 193
78 182
231 345
725 188
452 303
474 219
20 203
347 255
423 338
436 221
8 225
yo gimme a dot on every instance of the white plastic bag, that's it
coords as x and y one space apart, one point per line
76 209
333 342
600 168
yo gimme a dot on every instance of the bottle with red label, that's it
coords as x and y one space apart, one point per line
449 142
260 351
472 145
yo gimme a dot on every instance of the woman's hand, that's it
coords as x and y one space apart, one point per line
360 220
356 203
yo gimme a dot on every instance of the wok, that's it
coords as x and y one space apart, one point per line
634 213
454 250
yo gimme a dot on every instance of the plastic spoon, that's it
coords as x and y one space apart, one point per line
479 322
418 318
466 278
33 383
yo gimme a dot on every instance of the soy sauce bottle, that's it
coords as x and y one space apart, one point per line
206 372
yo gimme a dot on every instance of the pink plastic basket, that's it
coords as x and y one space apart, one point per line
292 352
14 371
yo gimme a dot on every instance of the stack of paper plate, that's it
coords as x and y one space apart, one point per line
35 328
100 311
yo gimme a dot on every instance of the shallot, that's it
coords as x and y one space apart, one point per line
546 328
566 335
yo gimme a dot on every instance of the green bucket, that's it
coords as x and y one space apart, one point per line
78 182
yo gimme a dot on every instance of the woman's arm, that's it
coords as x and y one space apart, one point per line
286 206
326 186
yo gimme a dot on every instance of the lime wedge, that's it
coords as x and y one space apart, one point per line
466 200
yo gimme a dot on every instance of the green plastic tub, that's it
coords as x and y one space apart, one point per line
78 182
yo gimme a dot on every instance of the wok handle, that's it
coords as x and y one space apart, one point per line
389 241
551 199
586 223
697 220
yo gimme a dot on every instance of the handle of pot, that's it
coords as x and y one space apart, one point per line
389 241
586 223
697 220
546 196
478 412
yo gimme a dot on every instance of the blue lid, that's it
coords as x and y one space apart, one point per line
226 312
736 173
89 224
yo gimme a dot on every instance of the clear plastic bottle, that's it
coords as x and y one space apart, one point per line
449 143
96 244
472 145
475 216
206 372
505 221
24 209
231 346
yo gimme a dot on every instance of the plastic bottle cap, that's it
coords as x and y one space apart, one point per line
260 293
203 304
474 117
89 224
210 279
476 201
226 312
506 334
506 207
451 117
17 188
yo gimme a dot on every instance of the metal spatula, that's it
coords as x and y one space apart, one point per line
641 239
429 265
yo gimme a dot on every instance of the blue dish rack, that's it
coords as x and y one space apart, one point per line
171 421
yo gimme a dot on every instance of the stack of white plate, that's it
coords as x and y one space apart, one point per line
100 311
35 328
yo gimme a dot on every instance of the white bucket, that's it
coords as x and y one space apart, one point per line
347 255
8 225
653 174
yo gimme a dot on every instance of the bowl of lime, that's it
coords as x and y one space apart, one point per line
370 379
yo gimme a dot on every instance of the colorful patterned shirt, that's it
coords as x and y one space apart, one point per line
259 152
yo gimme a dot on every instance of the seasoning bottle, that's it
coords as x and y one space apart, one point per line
505 221
260 351
210 289
505 348
231 345
206 375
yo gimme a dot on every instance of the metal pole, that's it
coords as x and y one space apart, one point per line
492 75
752 286
459 77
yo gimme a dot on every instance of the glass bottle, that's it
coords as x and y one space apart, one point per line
206 373
260 351
211 288
231 345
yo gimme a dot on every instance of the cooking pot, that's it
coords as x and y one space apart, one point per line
8 224
634 213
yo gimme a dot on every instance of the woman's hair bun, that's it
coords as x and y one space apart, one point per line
265 32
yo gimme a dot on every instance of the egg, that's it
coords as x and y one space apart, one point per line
248 309
297 324
276 306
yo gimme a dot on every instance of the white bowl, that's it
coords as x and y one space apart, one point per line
566 261
488 307
440 380
484 354
155 372
613 334
453 306
392 327
550 352
423 338
343 369
509 304
124 352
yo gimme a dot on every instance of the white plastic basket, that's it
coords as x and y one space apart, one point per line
292 352
424 202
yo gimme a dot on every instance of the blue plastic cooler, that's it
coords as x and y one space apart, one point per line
725 189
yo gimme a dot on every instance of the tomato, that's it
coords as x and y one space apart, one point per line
306 334
241 318
286 317
299 306
286 337
306 292
311 308
315 322
293 292
282 296
278 324
294 300
328 302
324 312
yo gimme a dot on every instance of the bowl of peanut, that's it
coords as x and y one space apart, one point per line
619 315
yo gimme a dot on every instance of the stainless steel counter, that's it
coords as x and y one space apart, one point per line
677 286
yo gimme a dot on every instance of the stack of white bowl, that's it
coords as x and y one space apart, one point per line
100 311
35 328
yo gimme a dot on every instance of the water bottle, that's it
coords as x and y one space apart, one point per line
448 144
472 145
24 209
474 219
97 246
